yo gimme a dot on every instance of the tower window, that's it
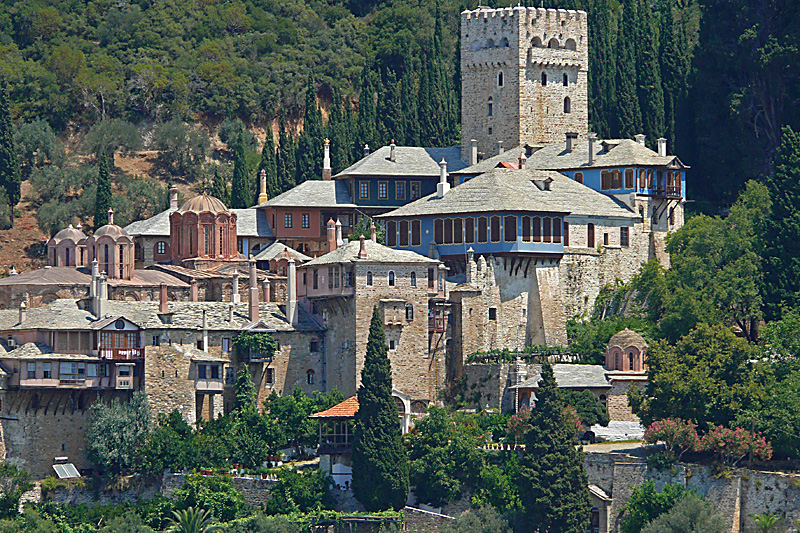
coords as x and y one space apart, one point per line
500 79
490 130
490 108
544 79
391 278
566 80
567 105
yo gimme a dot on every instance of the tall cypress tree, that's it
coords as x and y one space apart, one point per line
650 90
408 102
602 68
553 484
380 465
102 201
269 164
219 187
309 148
367 115
240 188
10 177
339 124
629 112
285 158
390 111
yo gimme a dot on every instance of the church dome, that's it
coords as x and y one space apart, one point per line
112 230
203 204
71 233
626 338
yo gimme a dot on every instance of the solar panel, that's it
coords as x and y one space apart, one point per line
66 471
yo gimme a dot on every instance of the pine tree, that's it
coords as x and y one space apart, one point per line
285 159
629 112
246 395
102 202
240 188
10 177
269 164
650 90
553 484
309 148
380 465
781 253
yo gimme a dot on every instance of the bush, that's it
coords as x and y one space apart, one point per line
679 436
588 406
481 520
646 504
690 515
731 445
215 494
299 492
13 483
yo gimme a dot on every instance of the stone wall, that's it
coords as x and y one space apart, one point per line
617 399
167 382
256 491
421 520
290 365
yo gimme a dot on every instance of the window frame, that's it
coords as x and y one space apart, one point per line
383 190
287 220
510 221
305 220
624 236
415 194
399 190
363 190
579 177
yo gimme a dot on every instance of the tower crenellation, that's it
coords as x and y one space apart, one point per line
524 76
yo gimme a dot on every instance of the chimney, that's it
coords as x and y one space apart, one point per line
193 291
472 268
262 195
433 252
500 148
366 150
253 290
331 235
327 173
265 290
362 250
162 298
392 156
571 139
373 233
291 304
339 240
230 313
442 187
235 297
23 312
110 216
523 161
98 303
473 152
173 197
662 147
205 331
592 139
95 276
639 138
13 271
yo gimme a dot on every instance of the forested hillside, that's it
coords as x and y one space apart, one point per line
718 79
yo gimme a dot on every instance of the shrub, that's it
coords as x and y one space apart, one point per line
13 483
481 520
299 491
215 494
646 504
731 445
691 514
678 436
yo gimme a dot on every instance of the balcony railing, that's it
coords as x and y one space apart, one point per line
436 323
121 353
668 191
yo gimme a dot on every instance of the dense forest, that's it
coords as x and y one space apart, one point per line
718 79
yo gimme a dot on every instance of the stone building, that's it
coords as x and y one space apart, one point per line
204 228
626 367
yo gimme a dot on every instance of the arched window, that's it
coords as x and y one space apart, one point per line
490 43
570 44
106 255
413 279
500 80
310 377
544 79
567 105
566 80
504 42
616 361
391 278
579 177
642 178
369 278
161 247
630 361
490 107
553 43
409 312
67 258
590 235
536 42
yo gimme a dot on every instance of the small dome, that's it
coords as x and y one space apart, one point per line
112 230
202 204
71 233
627 338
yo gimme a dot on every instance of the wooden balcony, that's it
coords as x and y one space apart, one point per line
121 354
667 192
210 385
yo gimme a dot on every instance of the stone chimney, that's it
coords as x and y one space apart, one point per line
572 138
373 232
442 187
327 173
235 297
162 298
392 155
523 161
472 268
331 227
23 312
262 195
95 277
230 313
110 216
639 138
366 150
193 290
291 304
253 291
362 250
265 290
662 147
205 331
98 303
500 148
473 152
592 139
173 197
339 240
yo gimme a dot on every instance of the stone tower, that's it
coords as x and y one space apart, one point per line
523 77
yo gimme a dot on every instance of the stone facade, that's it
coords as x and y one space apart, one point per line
294 365
524 76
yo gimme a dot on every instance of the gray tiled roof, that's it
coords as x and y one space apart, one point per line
250 222
66 314
313 193
409 161
510 190
376 253
569 377
155 226
39 350
273 250
74 276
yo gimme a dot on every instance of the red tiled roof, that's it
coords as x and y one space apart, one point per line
346 409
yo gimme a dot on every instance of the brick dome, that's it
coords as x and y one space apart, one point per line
70 233
112 230
203 204
626 338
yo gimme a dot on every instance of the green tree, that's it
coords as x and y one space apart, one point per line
309 147
691 514
299 491
193 520
246 394
110 136
366 123
588 406
168 446
291 413
130 522
766 522
10 177
182 148
13 483
217 495
380 465
241 193
37 145
117 432
553 486
629 112
285 160
219 187
482 520
650 90
647 504
102 202
269 165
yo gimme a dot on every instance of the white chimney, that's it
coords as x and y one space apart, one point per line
262 195
110 216
500 148
205 331
95 276
338 226
173 197
366 150
100 296
473 152
230 313
442 187
23 312
662 147
392 156
592 139
253 291
639 138
291 305
327 173
523 161
235 297
571 139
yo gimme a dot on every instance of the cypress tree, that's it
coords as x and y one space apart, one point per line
10 176
367 115
219 187
309 148
102 202
246 395
392 122
553 484
650 90
408 102
426 107
380 465
339 124
269 164
240 188
285 157
629 112
602 69
781 253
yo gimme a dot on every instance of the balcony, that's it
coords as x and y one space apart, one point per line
437 323
121 354
668 192
212 385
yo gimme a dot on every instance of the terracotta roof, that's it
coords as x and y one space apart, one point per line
203 203
71 233
627 337
346 409
112 230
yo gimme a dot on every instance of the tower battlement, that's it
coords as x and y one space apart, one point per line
524 76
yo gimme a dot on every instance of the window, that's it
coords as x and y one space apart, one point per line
369 278
438 231
383 190
156 340
206 242
448 231
659 180
413 278
201 371
557 230
391 233
314 346
566 81
616 361
226 344
391 344
495 227
526 229
537 229
416 233
391 278
616 179
544 79
579 177
605 239
400 190
363 190
642 179
623 236
305 221
490 130
310 377
492 313
590 235
416 189
409 312
161 247
490 108
348 279
287 220
482 229
458 232
469 230
47 372
567 105
31 370
671 216
230 375
500 80
547 235
630 361
510 229
566 234
649 179
315 278
629 178
270 377
124 371
215 372
605 180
